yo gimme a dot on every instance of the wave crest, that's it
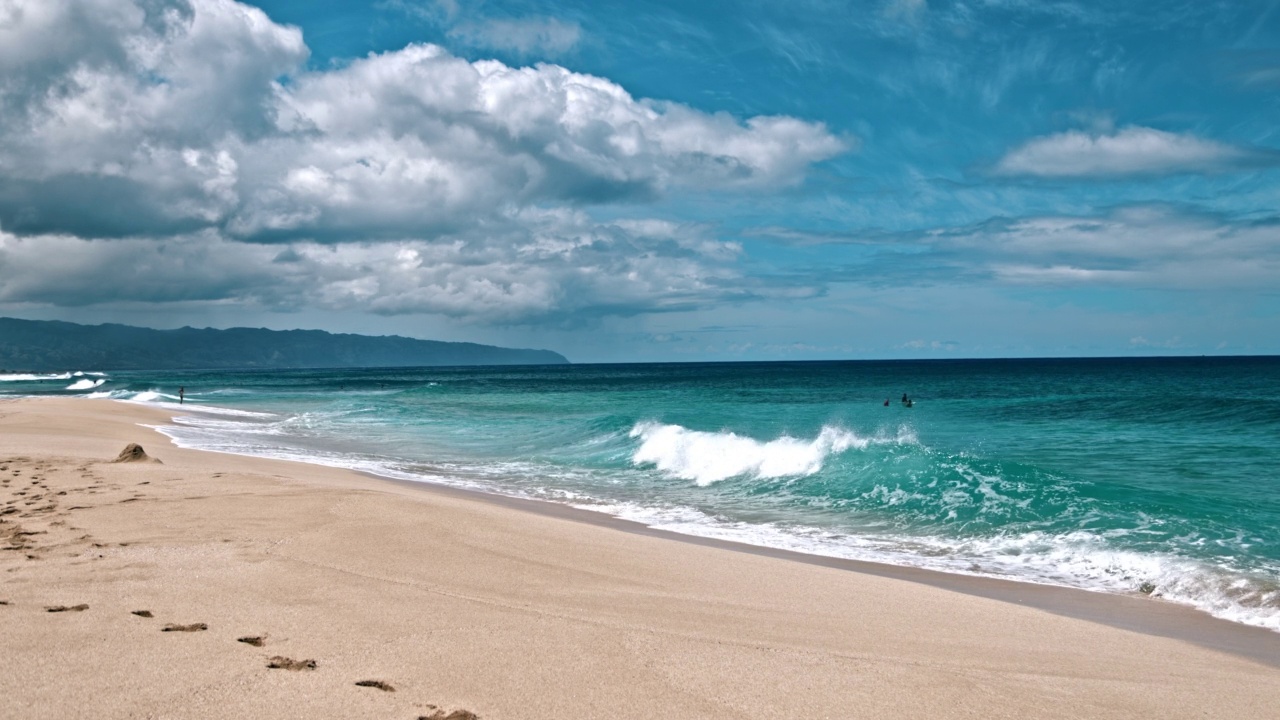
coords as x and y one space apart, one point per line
38 377
708 457
33 377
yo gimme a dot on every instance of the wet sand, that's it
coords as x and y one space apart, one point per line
298 591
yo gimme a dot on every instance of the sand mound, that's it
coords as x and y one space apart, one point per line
133 452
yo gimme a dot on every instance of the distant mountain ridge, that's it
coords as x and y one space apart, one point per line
44 345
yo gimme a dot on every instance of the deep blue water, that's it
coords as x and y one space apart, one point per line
1121 475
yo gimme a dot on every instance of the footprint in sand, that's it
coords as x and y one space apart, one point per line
193 627
143 613
455 715
375 684
279 662
64 608
254 640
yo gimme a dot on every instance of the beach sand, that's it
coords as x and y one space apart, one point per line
460 604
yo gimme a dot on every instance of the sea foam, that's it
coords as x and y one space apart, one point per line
1079 559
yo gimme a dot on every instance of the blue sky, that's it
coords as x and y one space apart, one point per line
653 180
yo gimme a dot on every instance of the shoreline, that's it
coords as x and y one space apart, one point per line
515 608
1146 615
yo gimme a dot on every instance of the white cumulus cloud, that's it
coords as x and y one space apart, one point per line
172 116
1129 151
166 150
539 266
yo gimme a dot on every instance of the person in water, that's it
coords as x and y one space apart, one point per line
182 395
886 402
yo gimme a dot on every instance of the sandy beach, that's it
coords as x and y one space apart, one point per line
448 605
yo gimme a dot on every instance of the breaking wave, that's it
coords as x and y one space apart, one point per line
708 457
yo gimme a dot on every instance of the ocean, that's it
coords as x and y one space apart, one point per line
1151 476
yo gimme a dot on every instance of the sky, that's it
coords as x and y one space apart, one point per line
651 180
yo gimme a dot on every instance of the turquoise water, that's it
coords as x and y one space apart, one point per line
1156 476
